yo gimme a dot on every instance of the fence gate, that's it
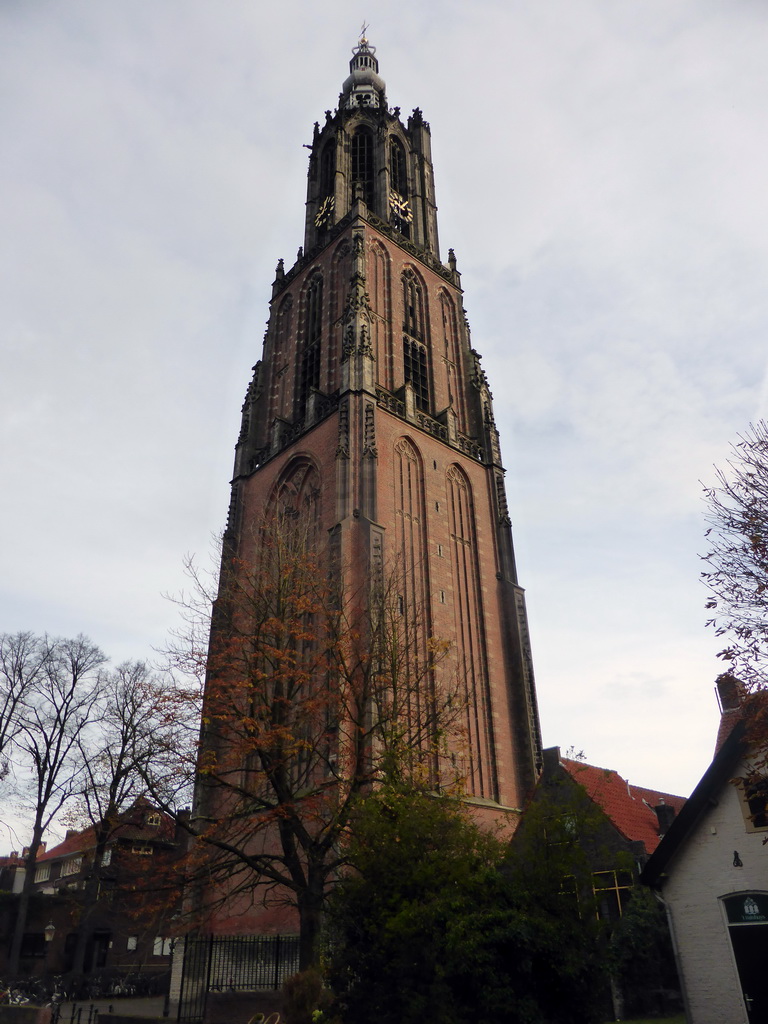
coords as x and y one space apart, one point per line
233 963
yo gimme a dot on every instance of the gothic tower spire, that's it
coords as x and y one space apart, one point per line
367 436
370 393
365 157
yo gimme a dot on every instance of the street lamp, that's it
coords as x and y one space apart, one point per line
49 931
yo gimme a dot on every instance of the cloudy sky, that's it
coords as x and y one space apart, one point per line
601 170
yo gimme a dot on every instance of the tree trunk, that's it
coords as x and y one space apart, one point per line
90 895
310 904
30 864
91 890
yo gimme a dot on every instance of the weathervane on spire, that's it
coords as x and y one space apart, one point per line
363 29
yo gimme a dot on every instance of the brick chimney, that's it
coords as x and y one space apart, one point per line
666 815
730 694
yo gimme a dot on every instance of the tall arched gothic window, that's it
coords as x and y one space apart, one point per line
379 287
282 348
415 362
413 306
309 359
452 357
413 621
470 635
328 169
400 214
362 162
398 174
297 494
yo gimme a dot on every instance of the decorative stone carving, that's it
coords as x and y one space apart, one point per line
369 433
342 448
501 500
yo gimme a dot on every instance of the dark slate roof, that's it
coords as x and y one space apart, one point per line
131 827
714 778
630 808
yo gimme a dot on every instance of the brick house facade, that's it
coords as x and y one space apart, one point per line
127 926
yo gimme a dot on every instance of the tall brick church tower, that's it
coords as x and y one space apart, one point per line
370 398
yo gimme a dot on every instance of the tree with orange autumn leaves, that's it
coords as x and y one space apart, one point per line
314 691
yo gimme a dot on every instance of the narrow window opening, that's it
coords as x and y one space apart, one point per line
415 366
328 169
397 168
411 307
362 162
309 371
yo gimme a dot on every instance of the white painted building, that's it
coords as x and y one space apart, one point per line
711 870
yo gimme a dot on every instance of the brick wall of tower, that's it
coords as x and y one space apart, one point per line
357 433
441 327
497 752
470 605
370 407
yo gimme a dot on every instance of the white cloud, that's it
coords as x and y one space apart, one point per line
600 172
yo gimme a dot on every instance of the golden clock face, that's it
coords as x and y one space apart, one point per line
324 213
400 207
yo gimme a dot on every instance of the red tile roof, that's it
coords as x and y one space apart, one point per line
630 808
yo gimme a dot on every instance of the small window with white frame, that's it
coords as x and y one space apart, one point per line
71 866
133 942
43 873
106 857
154 818
162 946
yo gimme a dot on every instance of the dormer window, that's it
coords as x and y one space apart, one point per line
153 819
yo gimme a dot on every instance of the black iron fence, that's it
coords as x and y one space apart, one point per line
233 963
